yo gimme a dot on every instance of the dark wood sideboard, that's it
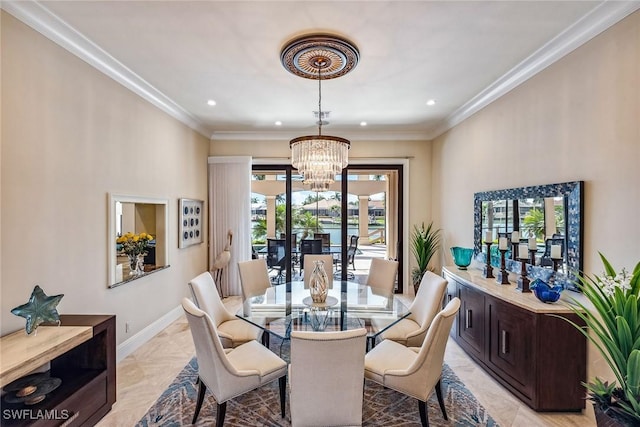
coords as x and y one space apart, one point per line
539 358
88 373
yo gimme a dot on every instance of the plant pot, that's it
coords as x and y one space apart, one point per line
416 278
604 420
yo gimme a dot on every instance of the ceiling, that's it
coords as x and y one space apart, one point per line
179 54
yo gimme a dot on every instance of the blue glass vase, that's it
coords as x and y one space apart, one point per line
461 257
544 292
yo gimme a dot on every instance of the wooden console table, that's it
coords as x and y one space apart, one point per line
82 353
541 359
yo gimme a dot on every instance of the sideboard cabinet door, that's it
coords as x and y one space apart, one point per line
511 344
471 320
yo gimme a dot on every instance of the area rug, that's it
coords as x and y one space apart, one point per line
261 407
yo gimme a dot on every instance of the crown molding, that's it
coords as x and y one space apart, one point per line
38 17
600 18
593 23
351 135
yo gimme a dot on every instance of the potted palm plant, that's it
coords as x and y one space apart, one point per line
613 326
425 242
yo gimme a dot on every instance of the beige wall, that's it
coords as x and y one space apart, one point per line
70 136
417 152
577 120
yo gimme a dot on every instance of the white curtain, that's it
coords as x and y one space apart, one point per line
230 209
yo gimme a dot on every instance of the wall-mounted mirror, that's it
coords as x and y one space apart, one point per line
138 237
550 214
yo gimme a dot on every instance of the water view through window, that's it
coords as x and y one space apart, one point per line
314 213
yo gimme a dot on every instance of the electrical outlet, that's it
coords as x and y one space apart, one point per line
127 327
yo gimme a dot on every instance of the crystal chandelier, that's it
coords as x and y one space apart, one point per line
319 158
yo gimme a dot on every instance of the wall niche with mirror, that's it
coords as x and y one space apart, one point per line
138 237
552 214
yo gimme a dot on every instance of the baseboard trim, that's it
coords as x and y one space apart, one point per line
136 341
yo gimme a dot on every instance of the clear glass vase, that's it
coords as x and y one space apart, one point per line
318 285
136 264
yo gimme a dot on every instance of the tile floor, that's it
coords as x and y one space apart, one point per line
146 373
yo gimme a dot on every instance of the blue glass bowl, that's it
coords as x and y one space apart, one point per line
461 256
544 292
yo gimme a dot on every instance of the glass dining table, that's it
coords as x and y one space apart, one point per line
288 307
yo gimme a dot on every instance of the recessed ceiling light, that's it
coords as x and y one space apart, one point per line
211 102
278 123
363 123
431 102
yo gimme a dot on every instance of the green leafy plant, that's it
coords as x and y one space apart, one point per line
425 242
303 222
613 326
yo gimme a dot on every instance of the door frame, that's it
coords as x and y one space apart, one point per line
399 168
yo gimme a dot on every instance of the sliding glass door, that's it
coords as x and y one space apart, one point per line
358 218
376 212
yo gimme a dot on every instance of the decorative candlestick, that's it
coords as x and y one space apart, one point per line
502 243
532 256
503 275
515 236
523 281
523 251
488 270
515 240
488 236
556 261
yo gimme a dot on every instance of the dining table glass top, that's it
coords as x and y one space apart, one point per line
287 307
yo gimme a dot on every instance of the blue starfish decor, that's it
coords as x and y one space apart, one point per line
40 308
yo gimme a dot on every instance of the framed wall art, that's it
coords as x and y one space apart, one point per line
190 226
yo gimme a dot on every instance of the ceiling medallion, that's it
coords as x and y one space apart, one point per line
335 56
319 158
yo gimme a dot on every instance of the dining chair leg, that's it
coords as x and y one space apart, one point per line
265 339
220 413
371 342
283 393
424 417
201 390
440 400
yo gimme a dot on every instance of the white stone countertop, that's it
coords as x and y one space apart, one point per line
473 277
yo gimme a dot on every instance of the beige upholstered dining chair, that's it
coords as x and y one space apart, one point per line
414 371
326 376
382 274
231 330
230 373
254 277
308 268
411 330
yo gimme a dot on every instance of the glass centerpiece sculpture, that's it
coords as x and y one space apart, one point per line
461 257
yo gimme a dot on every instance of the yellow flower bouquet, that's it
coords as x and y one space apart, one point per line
134 244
